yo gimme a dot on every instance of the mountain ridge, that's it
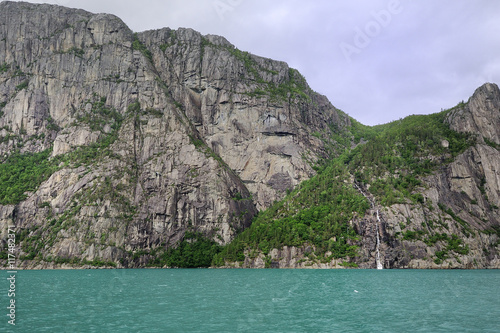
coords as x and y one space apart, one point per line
146 143
159 148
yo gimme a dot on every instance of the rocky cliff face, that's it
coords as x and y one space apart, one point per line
141 137
460 199
151 134
480 115
455 223
256 114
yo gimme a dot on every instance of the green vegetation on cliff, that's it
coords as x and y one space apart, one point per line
402 151
316 213
194 250
21 173
391 158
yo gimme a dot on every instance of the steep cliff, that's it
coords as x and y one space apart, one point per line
114 144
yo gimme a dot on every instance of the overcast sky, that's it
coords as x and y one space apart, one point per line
377 60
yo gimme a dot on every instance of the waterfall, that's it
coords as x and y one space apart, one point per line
377 258
379 264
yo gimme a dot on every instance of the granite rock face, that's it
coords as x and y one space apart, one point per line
256 114
158 133
155 134
455 224
481 115
460 199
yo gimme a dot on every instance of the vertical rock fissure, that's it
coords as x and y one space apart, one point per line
137 127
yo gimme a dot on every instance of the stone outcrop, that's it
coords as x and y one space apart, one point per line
481 115
158 132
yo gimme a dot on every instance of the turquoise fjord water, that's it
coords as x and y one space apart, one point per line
237 300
